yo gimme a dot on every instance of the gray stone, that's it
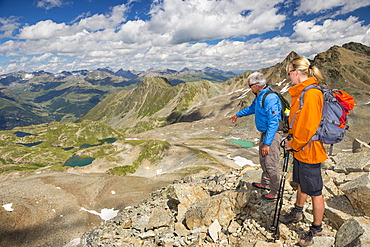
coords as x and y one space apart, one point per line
336 217
159 218
349 233
186 195
339 209
251 176
330 186
223 207
267 244
323 241
149 234
359 146
233 227
358 192
347 163
140 222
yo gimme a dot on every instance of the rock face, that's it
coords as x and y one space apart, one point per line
225 210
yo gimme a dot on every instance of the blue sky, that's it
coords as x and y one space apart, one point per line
237 35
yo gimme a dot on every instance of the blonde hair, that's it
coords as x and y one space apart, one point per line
302 64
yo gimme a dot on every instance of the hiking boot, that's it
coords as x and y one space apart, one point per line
293 217
269 197
259 186
308 239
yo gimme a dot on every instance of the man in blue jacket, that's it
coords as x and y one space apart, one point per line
267 122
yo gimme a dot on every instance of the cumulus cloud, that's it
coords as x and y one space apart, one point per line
317 6
330 30
177 34
191 21
43 30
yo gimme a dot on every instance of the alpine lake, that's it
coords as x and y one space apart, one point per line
74 160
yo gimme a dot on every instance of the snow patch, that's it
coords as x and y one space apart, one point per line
285 89
240 161
239 90
73 242
244 94
160 171
28 76
105 214
8 207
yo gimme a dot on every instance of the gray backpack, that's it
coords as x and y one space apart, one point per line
333 125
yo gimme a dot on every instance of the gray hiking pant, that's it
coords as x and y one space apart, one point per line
270 164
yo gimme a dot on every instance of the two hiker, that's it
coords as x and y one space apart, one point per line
307 154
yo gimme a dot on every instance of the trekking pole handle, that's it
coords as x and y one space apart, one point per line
288 137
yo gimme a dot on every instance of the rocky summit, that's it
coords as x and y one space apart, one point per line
225 210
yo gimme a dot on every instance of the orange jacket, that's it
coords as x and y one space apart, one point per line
306 122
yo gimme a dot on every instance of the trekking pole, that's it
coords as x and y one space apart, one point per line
279 202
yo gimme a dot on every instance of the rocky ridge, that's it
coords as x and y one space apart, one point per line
225 210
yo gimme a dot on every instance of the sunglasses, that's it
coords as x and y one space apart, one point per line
250 85
290 71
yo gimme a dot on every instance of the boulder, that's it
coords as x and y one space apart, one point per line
358 192
354 232
223 207
160 217
359 146
185 195
357 162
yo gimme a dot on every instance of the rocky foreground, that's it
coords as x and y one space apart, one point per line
225 210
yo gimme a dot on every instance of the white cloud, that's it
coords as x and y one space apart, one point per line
350 29
41 58
8 26
164 40
43 30
49 4
317 6
188 21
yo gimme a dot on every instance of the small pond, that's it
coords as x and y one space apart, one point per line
30 144
88 145
21 134
106 140
78 161
246 144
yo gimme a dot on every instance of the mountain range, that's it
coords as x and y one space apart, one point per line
138 101
155 102
67 96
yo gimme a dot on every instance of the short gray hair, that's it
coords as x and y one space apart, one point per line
257 78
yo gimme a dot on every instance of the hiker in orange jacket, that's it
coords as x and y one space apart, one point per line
308 155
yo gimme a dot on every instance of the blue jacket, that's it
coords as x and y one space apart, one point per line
267 119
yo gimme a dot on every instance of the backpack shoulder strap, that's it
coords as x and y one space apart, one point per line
265 95
301 101
301 97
